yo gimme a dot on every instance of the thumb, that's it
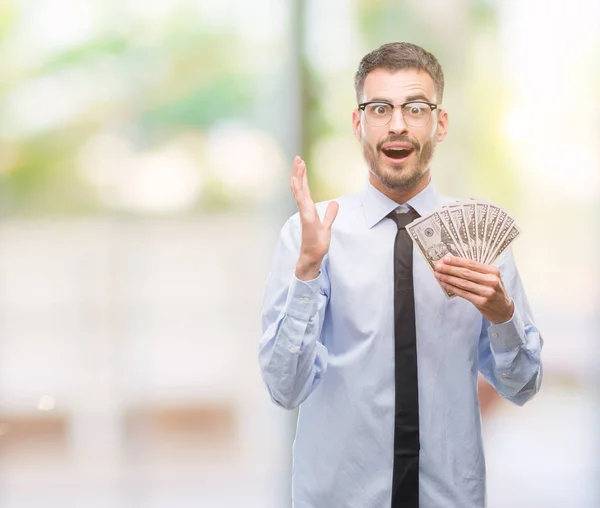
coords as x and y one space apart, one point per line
331 214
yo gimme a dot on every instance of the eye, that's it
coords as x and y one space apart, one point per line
416 109
379 109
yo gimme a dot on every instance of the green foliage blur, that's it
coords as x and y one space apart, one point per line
148 80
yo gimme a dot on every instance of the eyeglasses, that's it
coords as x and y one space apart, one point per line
415 113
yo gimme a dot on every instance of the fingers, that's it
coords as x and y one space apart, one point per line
294 177
299 182
476 300
473 281
299 185
471 265
302 195
490 277
483 290
305 187
331 214
495 306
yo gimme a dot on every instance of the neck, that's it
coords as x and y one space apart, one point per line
401 196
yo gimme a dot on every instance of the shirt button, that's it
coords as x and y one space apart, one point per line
304 300
495 335
293 349
504 374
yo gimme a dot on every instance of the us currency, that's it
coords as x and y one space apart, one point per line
495 236
444 214
510 237
471 223
432 238
490 223
505 232
481 210
458 218
493 241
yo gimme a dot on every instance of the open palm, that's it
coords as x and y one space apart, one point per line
316 234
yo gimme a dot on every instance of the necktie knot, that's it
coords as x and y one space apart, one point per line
403 219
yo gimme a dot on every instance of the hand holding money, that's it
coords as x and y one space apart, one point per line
480 284
474 233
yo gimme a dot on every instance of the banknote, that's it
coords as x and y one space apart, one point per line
433 240
506 241
452 229
469 213
491 220
493 237
481 211
457 214
505 232
474 229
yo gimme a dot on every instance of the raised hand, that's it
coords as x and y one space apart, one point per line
316 235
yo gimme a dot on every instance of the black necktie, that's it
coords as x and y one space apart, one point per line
405 478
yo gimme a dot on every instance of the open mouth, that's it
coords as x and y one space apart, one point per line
397 153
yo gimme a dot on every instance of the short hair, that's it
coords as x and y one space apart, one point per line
395 56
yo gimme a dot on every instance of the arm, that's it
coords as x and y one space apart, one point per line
509 344
291 357
509 352
509 358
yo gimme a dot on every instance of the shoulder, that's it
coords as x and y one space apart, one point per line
447 200
348 202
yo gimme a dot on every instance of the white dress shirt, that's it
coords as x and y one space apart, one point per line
328 346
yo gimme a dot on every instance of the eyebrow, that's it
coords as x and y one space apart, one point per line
416 97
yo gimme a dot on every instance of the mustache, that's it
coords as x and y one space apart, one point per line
399 139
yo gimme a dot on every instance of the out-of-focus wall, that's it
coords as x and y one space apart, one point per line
141 161
125 377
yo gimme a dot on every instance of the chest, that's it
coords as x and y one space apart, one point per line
360 313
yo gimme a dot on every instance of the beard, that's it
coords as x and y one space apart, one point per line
400 177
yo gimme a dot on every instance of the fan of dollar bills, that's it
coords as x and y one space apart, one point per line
470 229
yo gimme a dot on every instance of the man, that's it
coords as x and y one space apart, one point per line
358 333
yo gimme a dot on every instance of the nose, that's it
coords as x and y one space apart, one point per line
397 124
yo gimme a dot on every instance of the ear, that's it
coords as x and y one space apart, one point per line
442 124
356 123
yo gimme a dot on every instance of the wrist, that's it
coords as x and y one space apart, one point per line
505 316
307 269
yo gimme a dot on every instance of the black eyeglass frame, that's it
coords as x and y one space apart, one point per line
432 105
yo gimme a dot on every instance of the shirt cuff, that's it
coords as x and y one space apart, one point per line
507 336
302 298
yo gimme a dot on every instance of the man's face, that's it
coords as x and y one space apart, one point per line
399 155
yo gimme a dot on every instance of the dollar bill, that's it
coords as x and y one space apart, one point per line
469 213
494 237
457 215
510 237
481 211
505 232
452 229
490 224
433 240
500 220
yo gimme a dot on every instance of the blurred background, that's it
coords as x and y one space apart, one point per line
145 150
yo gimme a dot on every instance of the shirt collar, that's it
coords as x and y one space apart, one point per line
377 205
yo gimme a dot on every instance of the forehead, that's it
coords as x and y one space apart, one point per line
396 86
